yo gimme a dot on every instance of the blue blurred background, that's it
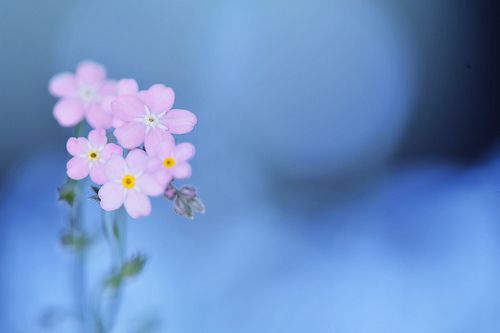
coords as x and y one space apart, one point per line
346 152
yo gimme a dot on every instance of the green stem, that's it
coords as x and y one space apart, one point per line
114 227
76 226
79 129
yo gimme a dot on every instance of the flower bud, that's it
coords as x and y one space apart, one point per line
188 192
170 192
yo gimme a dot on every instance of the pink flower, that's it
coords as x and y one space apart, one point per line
107 119
149 118
81 94
90 155
129 184
170 161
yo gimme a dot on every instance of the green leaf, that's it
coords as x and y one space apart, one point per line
134 266
95 193
67 192
74 241
114 281
130 268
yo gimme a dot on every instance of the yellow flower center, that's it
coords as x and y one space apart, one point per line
128 181
93 155
168 162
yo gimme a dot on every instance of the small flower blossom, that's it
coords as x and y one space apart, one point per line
106 119
149 118
81 94
89 156
129 184
170 160
138 118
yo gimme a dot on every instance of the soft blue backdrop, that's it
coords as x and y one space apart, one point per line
311 225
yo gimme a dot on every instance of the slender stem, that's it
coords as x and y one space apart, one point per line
114 227
79 128
79 283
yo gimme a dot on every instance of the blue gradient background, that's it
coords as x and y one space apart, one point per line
346 153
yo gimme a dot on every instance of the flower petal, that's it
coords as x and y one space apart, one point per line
111 195
97 117
77 146
98 174
69 112
182 170
179 121
136 161
130 135
164 176
63 85
154 138
90 72
165 149
137 204
128 107
111 149
184 151
115 168
77 168
117 122
109 88
149 185
98 137
127 87
152 165
159 98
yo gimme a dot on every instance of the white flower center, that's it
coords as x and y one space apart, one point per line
152 120
87 94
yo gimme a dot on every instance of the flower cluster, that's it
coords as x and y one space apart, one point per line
141 123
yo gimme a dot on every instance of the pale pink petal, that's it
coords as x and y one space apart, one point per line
109 88
77 146
77 168
98 174
159 98
136 161
106 103
137 204
152 165
115 168
111 195
182 170
130 135
184 151
142 96
63 85
179 121
149 185
154 138
69 111
128 108
127 87
98 137
164 176
165 149
97 117
111 149
90 72
117 122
